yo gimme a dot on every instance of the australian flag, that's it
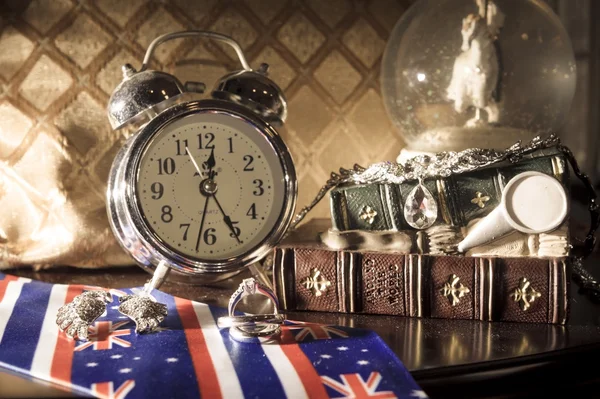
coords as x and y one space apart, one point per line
190 357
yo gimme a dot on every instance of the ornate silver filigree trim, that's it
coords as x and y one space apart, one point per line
443 164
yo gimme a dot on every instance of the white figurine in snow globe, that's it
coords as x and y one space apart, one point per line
458 74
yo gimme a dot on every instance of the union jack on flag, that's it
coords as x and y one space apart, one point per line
190 357
303 331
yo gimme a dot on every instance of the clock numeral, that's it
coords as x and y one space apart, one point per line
230 145
206 142
182 147
157 190
248 159
252 212
185 227
259 187
236 230
166 216
166 166
209 236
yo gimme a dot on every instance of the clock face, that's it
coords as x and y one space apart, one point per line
210 186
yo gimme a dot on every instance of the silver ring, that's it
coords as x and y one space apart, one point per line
246 328
249 320
268 333
250 286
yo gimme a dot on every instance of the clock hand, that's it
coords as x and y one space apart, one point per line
193 161
227 219
210 163
206 197
201 223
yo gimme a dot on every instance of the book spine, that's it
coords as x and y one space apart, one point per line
533 290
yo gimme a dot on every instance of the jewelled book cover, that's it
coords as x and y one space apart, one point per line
377 216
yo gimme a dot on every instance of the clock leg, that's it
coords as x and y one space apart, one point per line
158 278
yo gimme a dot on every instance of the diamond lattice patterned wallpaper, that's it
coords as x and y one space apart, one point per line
61 59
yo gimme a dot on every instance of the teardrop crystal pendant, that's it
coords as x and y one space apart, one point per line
420 208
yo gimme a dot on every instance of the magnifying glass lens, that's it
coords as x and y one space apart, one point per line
535 203
532 203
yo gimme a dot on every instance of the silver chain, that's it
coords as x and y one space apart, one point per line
582 277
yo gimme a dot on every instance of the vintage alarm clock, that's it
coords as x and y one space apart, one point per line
205 187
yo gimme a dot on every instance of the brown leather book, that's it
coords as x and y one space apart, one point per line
310 276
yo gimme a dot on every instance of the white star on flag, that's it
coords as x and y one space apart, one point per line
116 356
419 394
137 358
364 350
362 362
342 348
125 371
172 360
326 356
92 364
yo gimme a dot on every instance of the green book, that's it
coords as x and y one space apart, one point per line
460 198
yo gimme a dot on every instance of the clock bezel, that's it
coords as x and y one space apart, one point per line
141 241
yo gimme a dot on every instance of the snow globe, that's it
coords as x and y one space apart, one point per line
458 74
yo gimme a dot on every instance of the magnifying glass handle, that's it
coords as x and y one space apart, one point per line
494 225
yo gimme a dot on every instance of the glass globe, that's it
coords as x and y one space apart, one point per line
459 73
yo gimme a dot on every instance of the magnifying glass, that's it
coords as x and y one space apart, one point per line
532 203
